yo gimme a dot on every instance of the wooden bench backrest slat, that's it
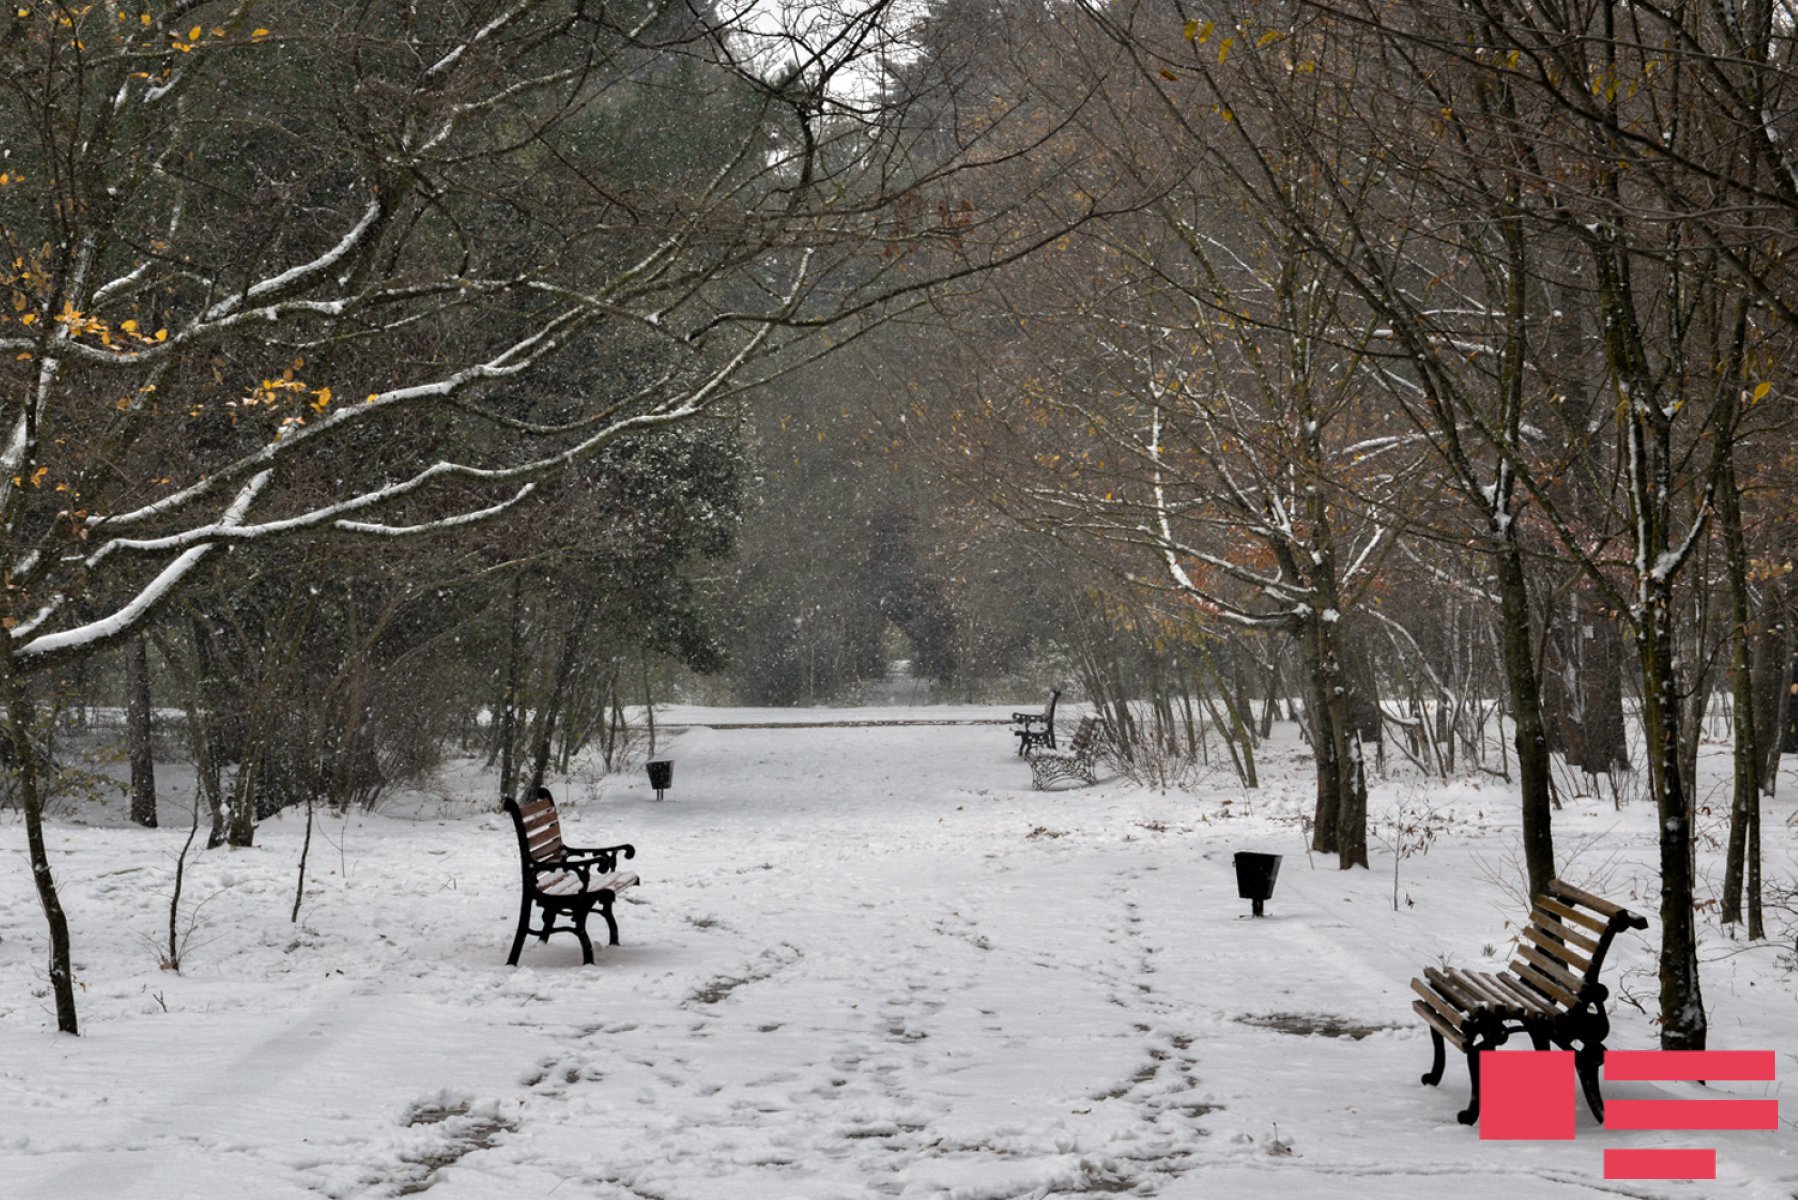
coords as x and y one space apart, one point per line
542 830
1568 913
1568 956
1574 982
1543 982
1551 926
1573 895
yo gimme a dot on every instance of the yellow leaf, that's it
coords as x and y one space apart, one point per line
128 326
1205 32
258 34
162 335
1761 390
1168 75
1192 30
145 18
1268 38
193 35
37 478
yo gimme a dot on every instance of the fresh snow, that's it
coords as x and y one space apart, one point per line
865 961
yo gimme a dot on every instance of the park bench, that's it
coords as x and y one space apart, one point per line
1078 761
1036 730
563 880
1550 992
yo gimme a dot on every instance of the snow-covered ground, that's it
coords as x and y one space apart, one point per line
865 961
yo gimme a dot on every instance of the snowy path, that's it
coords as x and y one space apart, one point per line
864 962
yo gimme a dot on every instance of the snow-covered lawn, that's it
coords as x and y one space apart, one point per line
864 961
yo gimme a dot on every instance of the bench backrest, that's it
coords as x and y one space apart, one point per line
1085 734
539 829
1049 708
1563 947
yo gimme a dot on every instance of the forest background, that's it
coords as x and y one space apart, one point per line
382 382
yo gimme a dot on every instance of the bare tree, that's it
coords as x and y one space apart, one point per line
282 270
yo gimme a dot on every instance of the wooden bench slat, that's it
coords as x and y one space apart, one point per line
1507 1003
1573 895
1568 913
1543 982
568 883
1574 983
1448 988
1531 1002
1552 926
1568 956
1444 1006
1449 1033
1462 992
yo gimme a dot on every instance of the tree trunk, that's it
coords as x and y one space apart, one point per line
552 710
1744 808
1526 708
1683 1022
1326 816
137 730
509 700
204 719
25 770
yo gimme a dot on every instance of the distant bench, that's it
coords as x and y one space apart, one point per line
1550 992
1078 761
563 880
1036 730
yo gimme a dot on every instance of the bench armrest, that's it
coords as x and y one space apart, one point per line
604 857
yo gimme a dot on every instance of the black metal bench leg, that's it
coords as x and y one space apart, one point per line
1586 1063
1438 1060
580 931
1471 1114
524 925
611 925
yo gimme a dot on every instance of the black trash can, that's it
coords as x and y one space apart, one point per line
661 775
1255 875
